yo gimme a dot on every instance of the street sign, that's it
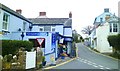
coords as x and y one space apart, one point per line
40 40
37 34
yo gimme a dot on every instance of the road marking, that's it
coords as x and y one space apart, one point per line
101 68
92 63
85 62
100 65
107 68
89 63
95 66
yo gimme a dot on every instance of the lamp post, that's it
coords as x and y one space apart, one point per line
22 35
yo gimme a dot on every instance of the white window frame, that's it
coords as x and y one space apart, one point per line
5 21
52 27
112 28
115 27
41 27
24 25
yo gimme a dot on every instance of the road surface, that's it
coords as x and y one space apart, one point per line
88 59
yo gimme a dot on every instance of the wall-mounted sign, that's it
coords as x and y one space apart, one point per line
53 40
61 40
40 40
37 33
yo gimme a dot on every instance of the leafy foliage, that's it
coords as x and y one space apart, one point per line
114 41
12 46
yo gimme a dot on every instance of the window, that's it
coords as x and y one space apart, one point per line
110 27
47 28
101 20
53 28
115 27
41 29
5 21
24 26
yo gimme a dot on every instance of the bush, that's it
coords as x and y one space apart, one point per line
12 46
114 41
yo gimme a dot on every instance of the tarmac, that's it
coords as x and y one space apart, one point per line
59 62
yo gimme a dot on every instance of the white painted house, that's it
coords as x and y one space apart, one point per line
43 31
104 25
12 24
52 30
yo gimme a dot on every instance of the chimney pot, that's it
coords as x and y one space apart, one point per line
19 11
70 15
42 14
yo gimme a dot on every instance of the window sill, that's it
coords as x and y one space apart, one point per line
5 31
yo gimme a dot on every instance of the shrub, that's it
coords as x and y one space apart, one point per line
114 41
12 46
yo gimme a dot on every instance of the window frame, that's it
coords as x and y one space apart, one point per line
24 25
48 29
41 27
53 27
115 27
5 22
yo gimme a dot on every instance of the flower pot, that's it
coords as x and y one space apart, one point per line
62 57
44 63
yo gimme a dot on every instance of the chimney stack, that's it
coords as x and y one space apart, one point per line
19 11
42 13
106 10
70 15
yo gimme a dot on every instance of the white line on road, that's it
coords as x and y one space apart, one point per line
92 63
95 66
101 68
89 63
107 68
85 62
100 65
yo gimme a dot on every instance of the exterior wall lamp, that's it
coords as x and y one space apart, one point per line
22 35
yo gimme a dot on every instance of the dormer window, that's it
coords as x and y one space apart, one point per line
101 20
5 22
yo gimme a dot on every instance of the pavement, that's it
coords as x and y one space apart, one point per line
59 62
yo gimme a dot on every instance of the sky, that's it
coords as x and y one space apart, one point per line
83 11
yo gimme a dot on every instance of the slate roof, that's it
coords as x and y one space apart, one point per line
5 8
103 15
64 21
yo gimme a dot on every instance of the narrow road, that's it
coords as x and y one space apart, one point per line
89 60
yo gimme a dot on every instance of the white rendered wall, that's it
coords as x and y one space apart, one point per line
102 33
68 32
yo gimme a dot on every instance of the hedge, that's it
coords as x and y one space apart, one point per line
12 46
114 41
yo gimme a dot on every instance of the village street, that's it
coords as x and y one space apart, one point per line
88 59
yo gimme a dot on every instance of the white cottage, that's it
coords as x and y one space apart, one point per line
52 30
12 24
107 25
